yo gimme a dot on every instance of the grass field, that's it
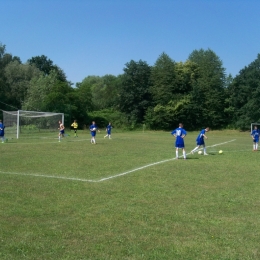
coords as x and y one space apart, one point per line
129 198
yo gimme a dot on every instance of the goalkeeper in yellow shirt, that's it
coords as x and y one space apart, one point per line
74 126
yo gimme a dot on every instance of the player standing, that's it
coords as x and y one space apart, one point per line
179 133
93 130
255 136
62 131
74 125
2 131
200 141
109 127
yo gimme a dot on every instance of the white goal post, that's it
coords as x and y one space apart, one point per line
24 123
254 124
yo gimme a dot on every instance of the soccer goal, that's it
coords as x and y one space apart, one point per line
253 125
27 123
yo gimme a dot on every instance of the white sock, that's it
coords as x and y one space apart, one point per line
177 154
196 148
256 146
204 149
184 154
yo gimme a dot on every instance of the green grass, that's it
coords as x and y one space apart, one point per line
205 207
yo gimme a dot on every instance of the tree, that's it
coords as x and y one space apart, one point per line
134 95
46 66
84 90
208 93
163 77
244 93
172 84
38 90
7 101
18 76
105 92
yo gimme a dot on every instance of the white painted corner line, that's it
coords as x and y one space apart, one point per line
107 178
152 164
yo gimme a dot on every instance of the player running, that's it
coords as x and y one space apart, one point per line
74 126
179 133
2 131
62 131
109 128
200 141
255 136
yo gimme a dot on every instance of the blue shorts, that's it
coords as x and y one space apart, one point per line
179 144
93 133
62 132
200 142
255 140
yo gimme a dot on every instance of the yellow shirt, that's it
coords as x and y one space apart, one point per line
75 125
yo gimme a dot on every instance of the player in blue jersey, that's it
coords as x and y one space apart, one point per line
179 133
93 131
2 131
255 136
108 129
200 141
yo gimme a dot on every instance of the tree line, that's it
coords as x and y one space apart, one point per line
197 92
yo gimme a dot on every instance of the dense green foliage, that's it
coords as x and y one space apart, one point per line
244 95
196 92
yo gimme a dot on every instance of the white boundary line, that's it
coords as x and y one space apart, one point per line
48 176
107 178
152 164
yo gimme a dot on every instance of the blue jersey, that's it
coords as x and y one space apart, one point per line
2 129
93 129
109 127
179 133
255 135
200 138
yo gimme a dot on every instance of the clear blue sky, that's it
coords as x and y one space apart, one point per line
98 37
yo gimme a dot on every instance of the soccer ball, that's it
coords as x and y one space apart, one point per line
220 152
199 152
94 129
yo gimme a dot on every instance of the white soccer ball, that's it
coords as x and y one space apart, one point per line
94 129
220 152
199 152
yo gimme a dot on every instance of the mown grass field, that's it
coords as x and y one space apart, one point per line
74 200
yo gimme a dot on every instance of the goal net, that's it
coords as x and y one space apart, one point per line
29 123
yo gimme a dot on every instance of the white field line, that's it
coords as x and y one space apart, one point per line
152 164
107 178
48 176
